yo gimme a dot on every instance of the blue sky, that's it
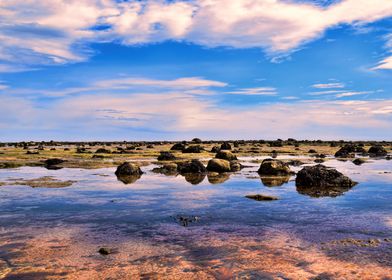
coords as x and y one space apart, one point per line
155 70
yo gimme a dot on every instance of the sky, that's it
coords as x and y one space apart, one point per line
214 69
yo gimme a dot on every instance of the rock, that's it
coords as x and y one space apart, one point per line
319 180
261 197
215 149
128 169
225 146
218 165
193 149
197 140
217 178
295 162
349 150
186 220
235 166
274 167
53 162
274 181
166 156
388 157
312 151
377 151
98 157
167 169
104 251
359 161
194 166
227 155
319 160
178 147
103 151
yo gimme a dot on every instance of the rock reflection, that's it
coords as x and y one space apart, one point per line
274 181
323 191
216 178
128 179
194 179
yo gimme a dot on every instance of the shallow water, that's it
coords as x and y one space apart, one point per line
56 233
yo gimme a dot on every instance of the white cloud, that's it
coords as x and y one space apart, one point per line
328 86
58 31
255 91
352 93
385 64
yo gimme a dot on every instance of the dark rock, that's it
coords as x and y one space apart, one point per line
98 157
128 169
103 151
186 220
319 160
104 251
225 146
197 140
194 166
32 153
261 197
53 162
359 161
178 147
227 155
215 149
312 151
235 166
218 165
295 162
166 156
150 146
349 150
377 151
274 167
319 180
193 149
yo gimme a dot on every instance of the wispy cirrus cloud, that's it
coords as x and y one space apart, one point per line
255 91
328 86
34 32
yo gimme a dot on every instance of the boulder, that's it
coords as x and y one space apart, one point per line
53 163
128 169
197 140
235 166
274 167
218 165
193 149
359 161
193 166
215 149
225 146
319 180
178 147
349 150
166 156
377 151
227 155
103 151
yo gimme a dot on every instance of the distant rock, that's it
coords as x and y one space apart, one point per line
197 140
167 169
377 151
53 163
349 150
178 147
104 251
319 180
274 167
193 149
227 155
215 149
218 165
166 156
225 146
103 151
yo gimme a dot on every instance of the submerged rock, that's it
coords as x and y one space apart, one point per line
227 155
319 180
274 167
218 165
377 151
261 197
193 166
166 169
359 161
